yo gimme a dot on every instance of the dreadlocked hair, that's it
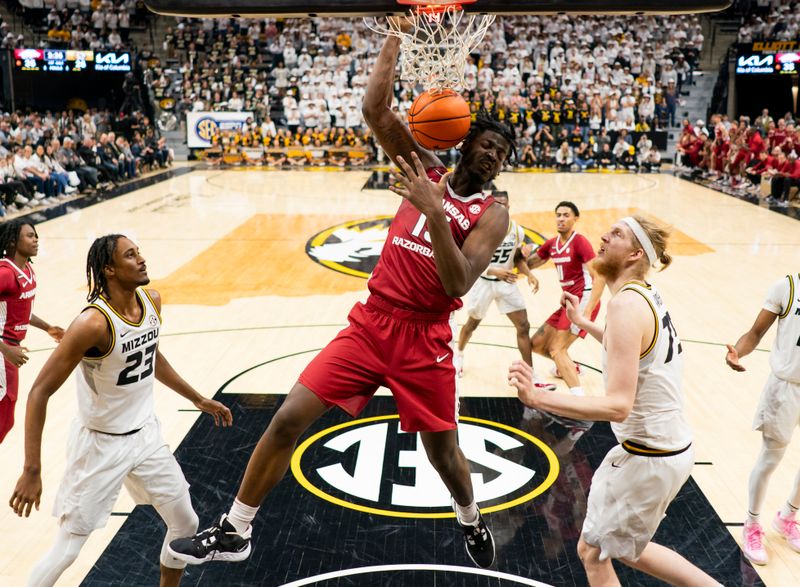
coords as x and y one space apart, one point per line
484 121
9 233
101 254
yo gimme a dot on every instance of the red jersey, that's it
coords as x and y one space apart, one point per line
571 260
406 273
17 290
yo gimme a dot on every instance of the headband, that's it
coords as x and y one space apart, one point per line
643 239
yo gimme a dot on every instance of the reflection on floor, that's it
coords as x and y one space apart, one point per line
342 511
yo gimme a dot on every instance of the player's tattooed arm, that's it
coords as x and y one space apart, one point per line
390 131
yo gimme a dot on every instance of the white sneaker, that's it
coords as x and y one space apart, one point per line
39 196
70 190
20 199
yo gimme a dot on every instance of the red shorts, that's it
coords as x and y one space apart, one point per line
411 353
560 321
6 416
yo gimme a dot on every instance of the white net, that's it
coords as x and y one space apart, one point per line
434 51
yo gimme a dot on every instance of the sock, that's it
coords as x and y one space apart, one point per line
788 511
241 515
467 514
578 391
751 517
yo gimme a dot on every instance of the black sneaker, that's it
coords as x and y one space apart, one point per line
221 542
479 542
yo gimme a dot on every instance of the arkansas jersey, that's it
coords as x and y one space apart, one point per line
17 290
571 261
406 273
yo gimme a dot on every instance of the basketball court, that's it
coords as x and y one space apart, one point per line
258 270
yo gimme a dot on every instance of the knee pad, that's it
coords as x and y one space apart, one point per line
181 521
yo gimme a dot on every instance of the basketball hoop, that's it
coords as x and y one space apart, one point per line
434 52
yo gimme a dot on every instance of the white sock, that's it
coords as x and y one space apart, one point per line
751 517
241 515
788 511
577 391
467 514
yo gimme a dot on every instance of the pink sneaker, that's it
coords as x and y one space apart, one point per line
543 386
789 529
753 547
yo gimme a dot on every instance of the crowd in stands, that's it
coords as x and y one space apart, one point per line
547 75
744 154
263 144
81 24
47 158
776 20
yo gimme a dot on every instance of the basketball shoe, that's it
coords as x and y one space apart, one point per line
220 542
753 546
478 540
789 529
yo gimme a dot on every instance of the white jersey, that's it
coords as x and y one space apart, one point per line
503 257
656 419
115 390
784 300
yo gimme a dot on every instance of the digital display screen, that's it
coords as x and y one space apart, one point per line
68 60
768 57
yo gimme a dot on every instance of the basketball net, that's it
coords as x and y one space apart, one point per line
434 52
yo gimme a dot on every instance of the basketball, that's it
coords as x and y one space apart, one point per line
439 121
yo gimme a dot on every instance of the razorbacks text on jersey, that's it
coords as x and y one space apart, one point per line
656 419
571 261
406 273
115 390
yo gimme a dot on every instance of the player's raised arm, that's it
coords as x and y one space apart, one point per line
390 131
87 331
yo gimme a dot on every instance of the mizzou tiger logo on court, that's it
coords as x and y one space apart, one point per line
371 465
354 247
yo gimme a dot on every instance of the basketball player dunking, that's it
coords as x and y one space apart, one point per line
19 243
643 369
116 438
778 412
441 239
571 253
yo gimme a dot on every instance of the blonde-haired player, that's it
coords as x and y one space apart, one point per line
643 369
778 411
498 283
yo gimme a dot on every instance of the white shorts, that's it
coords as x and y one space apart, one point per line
628 498
507 295
99 464
778 411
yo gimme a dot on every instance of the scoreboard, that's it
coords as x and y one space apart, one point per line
68 60
768 57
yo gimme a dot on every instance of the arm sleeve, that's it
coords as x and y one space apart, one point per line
778 297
